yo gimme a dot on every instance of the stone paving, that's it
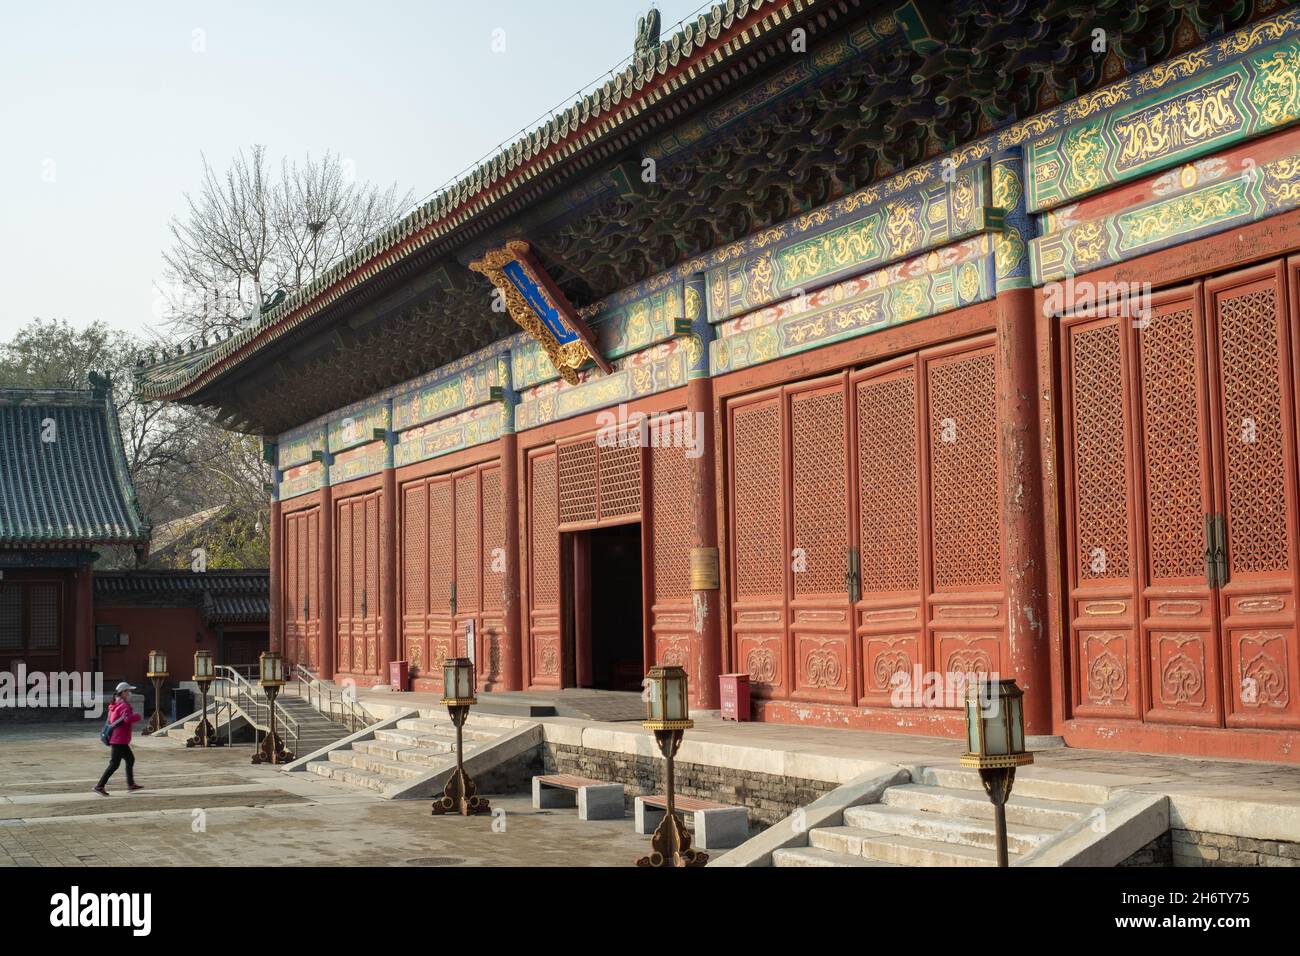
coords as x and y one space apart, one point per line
214 808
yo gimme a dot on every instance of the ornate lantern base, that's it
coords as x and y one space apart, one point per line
156 723
205 735
671 843
272 751
460 795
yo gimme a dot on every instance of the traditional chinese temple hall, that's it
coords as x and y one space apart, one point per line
845 345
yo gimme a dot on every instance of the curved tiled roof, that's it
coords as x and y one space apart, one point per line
63 474
698 49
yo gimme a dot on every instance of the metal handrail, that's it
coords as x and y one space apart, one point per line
338 707
256 706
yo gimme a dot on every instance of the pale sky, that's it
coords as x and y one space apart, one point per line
105 109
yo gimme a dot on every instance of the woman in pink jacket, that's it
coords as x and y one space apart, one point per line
120 717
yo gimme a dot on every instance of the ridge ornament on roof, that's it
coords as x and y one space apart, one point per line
538 306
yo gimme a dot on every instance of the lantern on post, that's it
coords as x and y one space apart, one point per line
459 795
668 715
270 668
995 738
157 673
205 672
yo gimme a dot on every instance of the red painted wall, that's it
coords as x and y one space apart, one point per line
176 631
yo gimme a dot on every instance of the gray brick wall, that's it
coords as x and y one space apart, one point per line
1195 848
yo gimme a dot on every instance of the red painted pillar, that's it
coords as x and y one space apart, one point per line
277 578
512 645
388 573
1024 557
706 599
325 581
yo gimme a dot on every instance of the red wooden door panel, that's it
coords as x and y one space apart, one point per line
469 561
967 603
1254 420
1104 644
441 564
821 636
372 609
545 661
292 596
890 613
344 593
671 612
311 587
759 553
1178 607
492 566
415 575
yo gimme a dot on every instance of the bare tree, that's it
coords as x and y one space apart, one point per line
246 233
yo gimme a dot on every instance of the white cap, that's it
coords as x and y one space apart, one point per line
124 686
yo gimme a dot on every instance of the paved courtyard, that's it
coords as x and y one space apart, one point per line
214 808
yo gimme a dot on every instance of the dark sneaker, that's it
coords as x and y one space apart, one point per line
101 791
135 786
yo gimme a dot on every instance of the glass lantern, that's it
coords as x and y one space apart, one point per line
995 725
157 664
666 699
458 681
205 668
270 668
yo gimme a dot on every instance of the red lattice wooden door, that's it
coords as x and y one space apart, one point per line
821 635
468 567
415 575
492 565
891 614
1255 435
345 593
545 658
358 599
292 599
309 652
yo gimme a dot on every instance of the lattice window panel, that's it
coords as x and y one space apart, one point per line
415 549
43 617
821 520
494 540
620 480
344 610
670 477
888 484
1258 541
964 472
756 457
577 476
442 546
544 537
468 549
1172 443
292 599
11 617
311 566
373 604
1100 452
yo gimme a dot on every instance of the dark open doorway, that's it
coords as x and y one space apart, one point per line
608 647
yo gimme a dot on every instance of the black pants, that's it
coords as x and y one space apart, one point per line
121 752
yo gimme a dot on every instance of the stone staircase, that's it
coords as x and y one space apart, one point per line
315 730
416 747
946 820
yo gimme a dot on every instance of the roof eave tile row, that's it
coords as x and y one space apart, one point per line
675 63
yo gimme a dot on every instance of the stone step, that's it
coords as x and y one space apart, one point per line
392 769
815 856
1026 785
900 850
412 738
1034 811
421 756
426 725
351 776
967 831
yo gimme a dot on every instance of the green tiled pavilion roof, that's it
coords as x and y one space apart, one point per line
223 597
73 490
688 59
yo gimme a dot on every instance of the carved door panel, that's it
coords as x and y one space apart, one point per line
291 601
1178 608
1098 445
759 553
821 635
1255 434
372 610
671 612
344 610
309 653
492 565
415 575
545 663
967 600
441 579
469 560
891 612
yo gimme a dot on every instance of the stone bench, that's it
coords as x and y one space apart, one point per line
717 825
595 799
